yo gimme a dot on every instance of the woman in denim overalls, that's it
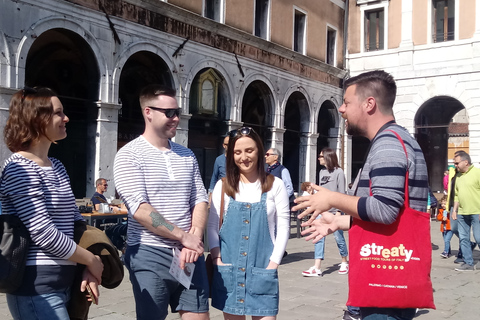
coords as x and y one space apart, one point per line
249 246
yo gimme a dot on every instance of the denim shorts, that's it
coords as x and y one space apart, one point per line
48 306
154 288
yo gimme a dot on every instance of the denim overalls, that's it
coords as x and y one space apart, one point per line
245 287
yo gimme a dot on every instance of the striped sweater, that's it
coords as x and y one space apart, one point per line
385 167
42 198
169 180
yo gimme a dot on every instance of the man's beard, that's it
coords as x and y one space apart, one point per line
354 130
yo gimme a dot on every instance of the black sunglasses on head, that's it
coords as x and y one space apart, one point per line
26 91
169 113
244 131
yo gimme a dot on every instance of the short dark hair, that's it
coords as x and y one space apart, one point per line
31 110
99 181
378 84
331 159
153 90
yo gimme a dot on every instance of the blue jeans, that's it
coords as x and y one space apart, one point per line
341 244
154 288
49 306
447 236
339 239
387 314
465 223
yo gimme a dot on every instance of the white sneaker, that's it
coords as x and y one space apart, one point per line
343 268
312 272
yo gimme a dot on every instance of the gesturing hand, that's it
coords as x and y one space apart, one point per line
327 224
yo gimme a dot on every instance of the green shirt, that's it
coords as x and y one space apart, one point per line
467 191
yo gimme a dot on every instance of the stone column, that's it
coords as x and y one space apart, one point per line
102 146
277 138
308 156
477 19
407 23
5 96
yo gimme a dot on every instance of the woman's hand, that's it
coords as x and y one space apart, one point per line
218 261
272 265
96 269
89 280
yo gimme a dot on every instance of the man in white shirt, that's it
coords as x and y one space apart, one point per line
160 183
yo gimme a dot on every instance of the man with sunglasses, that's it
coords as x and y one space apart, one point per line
272 158
160 183
466 207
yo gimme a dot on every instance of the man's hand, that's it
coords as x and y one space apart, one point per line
327 224
188 256
314 204
192 242
454 215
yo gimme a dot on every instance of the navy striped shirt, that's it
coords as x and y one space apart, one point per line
385 167
169 180
42 198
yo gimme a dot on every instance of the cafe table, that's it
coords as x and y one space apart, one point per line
95 215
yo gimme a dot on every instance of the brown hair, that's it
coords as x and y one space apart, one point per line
305 185
152 91
31 110
331 160
232 177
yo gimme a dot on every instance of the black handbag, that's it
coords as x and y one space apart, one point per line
13 252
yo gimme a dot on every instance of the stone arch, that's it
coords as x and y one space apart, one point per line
59 22
209 99
432 131
267 90
140 68
208 63
297 122
129 52
306 119
5 66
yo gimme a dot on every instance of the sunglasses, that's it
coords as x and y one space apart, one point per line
244 131
268 154
169 113
26 91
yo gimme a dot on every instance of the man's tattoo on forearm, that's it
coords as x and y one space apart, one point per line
159 220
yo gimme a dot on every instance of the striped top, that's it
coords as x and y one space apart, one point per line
169 180
42 198
386 166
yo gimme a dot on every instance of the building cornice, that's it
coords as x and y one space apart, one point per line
171 19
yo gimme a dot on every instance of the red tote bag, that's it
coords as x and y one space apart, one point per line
390 264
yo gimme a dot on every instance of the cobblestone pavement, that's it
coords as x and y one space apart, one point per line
456 294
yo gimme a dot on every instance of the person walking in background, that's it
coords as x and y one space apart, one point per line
306 188
380 187
445 182
248 244
331 176
273 158
160 183
444 216
466 208
36 188
219 167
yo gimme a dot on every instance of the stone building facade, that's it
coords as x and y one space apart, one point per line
432 48
273 65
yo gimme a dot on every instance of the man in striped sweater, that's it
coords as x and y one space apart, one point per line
368 111
160 183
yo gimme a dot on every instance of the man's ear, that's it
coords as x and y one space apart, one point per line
370 104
